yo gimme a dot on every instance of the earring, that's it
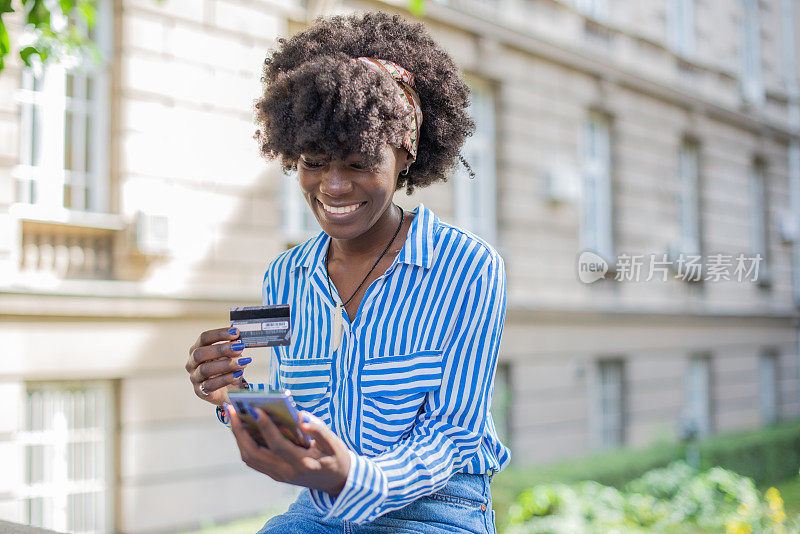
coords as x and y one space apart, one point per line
405 171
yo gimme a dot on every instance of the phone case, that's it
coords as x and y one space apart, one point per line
278 405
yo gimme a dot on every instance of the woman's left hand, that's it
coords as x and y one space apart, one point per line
323 466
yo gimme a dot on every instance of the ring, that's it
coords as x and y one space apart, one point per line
203 391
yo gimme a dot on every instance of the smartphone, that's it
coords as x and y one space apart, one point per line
278 405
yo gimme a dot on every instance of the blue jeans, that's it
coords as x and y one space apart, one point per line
464 504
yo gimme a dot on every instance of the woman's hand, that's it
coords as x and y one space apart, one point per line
215 363
323 466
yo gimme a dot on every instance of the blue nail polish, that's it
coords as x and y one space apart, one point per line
306 418
233 331
237 346
253 412
237 374
244 361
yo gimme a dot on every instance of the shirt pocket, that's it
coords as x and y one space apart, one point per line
393 390
309 381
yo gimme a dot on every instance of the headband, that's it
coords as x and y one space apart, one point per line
406 82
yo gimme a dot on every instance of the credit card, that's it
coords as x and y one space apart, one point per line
263 326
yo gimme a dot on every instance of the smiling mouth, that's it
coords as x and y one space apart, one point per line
340 210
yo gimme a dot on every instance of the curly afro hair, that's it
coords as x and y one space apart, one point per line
317 100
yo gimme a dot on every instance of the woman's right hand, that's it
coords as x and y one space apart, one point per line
216 363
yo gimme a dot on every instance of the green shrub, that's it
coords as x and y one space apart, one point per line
676 499
768 456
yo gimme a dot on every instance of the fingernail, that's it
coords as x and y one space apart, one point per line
237 346
306 418
252 412
229 408
244 361
238 373
233 331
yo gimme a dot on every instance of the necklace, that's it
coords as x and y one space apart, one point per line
338 314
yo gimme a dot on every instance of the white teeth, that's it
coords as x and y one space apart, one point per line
342 210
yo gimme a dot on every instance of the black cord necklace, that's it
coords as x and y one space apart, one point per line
338 317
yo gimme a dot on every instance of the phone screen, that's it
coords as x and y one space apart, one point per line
280 408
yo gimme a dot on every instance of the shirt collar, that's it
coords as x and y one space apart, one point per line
417 249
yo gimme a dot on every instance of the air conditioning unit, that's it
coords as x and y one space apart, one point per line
151 234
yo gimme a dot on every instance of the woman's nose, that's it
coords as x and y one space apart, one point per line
335 183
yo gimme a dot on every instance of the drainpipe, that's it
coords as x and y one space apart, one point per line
790 80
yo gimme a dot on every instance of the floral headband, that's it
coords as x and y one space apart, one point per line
406 82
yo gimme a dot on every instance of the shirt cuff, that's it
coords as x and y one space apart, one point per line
363 494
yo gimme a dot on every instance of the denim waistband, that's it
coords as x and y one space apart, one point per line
468 486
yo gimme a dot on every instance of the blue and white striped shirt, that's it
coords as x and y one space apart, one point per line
409 389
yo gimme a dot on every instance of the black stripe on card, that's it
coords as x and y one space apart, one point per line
274 311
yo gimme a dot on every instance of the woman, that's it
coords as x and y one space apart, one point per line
396 316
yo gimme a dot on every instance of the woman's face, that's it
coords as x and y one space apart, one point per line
346 198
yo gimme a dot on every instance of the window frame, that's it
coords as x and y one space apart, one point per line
760 234
702 362
752 76
480 152
502 405
605 436
62 483
43 183
596 231
594 9
680 27
769 405
298 223
688 198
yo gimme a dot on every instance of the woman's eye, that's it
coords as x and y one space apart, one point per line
312 164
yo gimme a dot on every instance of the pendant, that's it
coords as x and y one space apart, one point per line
338 326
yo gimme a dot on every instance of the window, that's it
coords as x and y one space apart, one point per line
752 83
501 402
688 199
610 404
67 442
759 218
299 223
698 395
63 160
596 232
768 390
475 198
596 9
680 26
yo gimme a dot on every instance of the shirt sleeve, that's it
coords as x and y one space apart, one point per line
448 434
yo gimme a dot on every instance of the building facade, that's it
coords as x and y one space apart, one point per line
656 141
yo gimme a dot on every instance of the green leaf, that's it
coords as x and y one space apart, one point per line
5 46
88 10
5 7
66 6
39 15
26 53
416 7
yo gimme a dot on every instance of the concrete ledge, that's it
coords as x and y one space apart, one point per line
16 528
